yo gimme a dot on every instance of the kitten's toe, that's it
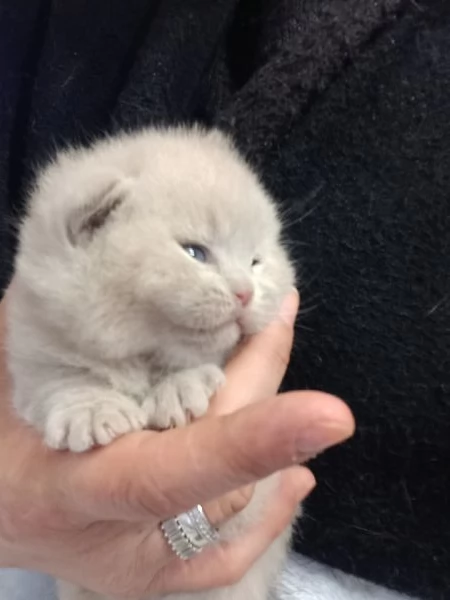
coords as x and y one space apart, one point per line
183 397
80 428
213 377
80 436
110 423
55 434
198 387
63 433
164 410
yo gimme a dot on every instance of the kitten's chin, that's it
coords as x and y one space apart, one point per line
222 338
252 323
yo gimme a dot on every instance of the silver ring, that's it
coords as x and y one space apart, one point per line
189 532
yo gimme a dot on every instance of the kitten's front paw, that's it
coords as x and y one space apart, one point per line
82 426
182 396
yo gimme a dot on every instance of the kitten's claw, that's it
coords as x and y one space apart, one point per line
80 427
182 397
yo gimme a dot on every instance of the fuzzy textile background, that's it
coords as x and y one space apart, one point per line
344 108
302 579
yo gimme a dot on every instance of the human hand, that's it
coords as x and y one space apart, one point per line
94 519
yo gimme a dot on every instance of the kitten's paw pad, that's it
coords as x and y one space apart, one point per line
82 427
183 396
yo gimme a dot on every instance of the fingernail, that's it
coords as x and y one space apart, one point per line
322 436
289 308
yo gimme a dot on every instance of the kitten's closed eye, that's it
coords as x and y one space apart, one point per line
197 252
256 261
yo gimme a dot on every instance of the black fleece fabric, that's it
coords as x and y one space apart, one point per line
343 106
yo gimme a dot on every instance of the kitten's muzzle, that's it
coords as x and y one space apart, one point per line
244 297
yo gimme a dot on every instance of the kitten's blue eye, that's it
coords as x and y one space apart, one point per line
197 252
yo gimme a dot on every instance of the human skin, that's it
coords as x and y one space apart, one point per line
94 518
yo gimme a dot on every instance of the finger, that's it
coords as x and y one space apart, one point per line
161 474
227 563
261 362
224 508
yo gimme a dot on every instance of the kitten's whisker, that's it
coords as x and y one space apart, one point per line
290 243
306 311
302 326
306 284
288 211
300 218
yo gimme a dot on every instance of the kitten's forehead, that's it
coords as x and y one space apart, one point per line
205 188
194 180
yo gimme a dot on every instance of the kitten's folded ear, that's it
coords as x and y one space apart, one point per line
86 220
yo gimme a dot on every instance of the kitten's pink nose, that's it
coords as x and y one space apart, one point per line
244 296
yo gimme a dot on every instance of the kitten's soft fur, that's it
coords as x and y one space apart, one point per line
142 262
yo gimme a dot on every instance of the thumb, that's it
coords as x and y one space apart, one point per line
261 362
161 474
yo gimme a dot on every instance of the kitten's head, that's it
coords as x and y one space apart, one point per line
157 239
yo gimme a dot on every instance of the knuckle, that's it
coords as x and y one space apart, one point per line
236 501
228 506
241 498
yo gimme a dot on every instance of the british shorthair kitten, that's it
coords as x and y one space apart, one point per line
142 261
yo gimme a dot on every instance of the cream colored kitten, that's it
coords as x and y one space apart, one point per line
142 262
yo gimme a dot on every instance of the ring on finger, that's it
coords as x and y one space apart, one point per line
189 533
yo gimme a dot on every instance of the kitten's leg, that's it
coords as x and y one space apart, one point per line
78 417
182 395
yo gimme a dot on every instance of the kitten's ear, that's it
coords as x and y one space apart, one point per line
88 219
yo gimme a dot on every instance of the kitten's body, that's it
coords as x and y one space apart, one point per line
113 326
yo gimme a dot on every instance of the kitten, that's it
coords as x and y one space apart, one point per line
142 262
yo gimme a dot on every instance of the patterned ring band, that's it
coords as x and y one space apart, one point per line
189 532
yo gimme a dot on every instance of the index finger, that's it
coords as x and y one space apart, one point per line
161 474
